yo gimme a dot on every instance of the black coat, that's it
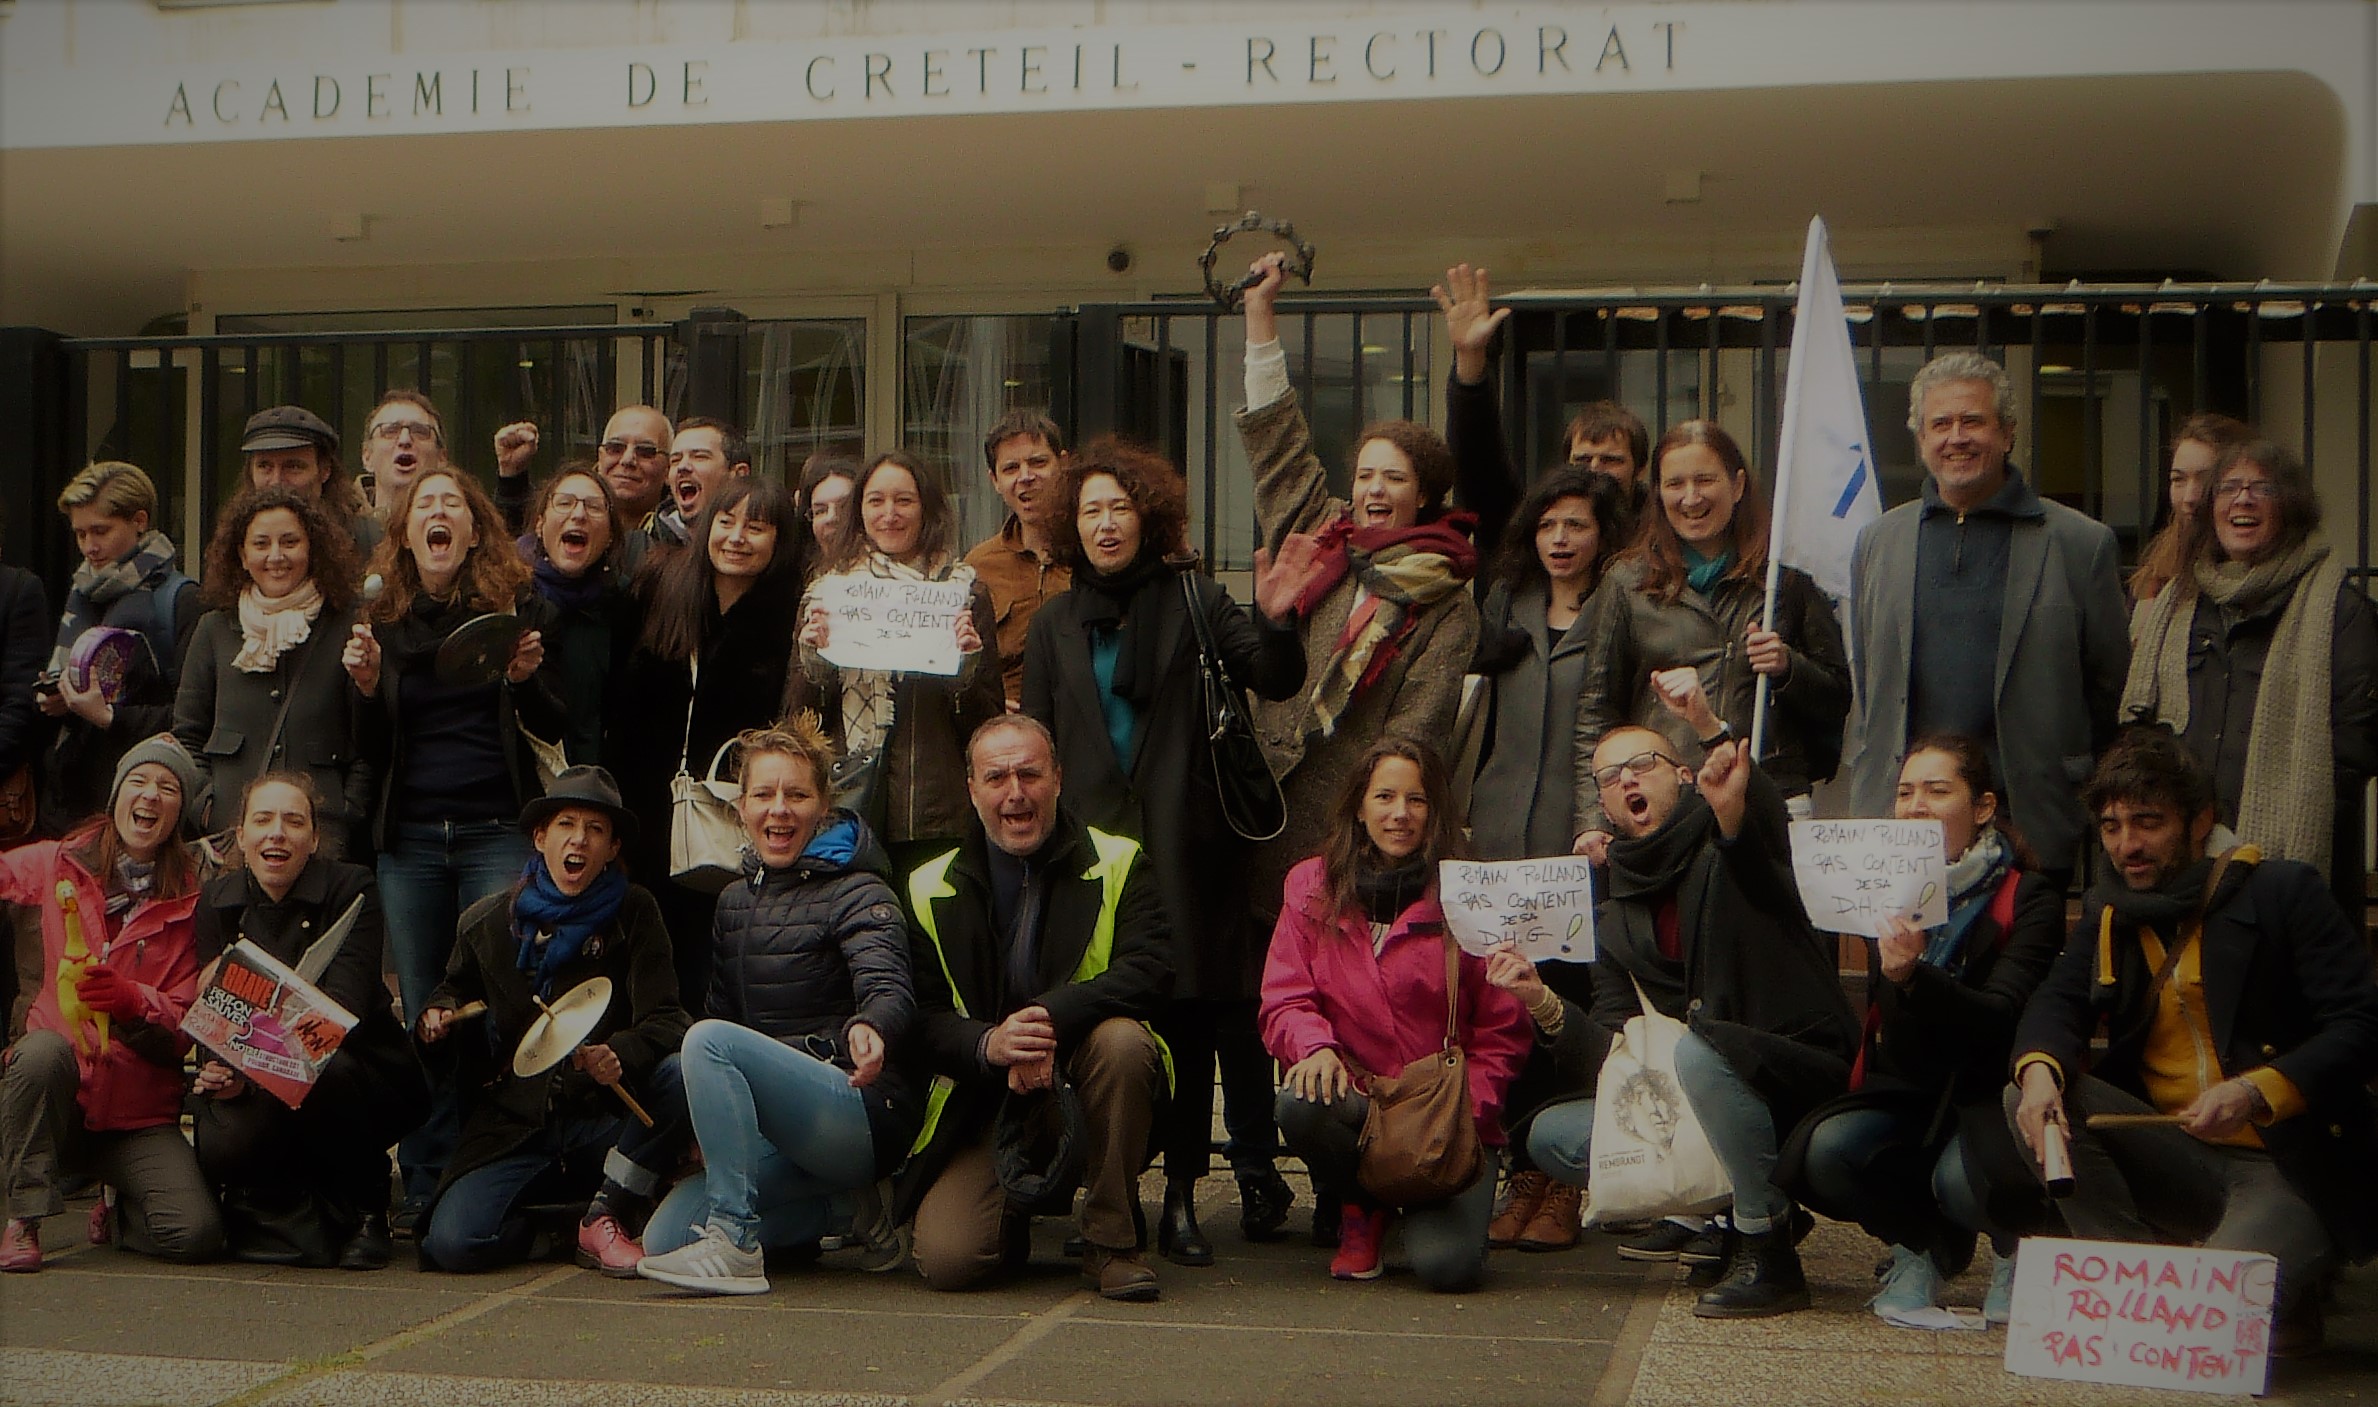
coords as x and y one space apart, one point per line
1936 1051
502 1113
1758 982
960 975
27 630
587 649
233 906
657 716
2287 984
2226 653
804 952
1165 797
224 717
531 704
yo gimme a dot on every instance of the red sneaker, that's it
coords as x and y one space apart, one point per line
603 1246
1362 1235
101 1230
20 1247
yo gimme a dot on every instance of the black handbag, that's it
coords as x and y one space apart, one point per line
1251 799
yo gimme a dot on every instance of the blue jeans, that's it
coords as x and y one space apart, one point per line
784 1139
1741 1133
1870 1160
477 1225
429 873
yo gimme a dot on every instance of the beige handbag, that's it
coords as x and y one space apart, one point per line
705 832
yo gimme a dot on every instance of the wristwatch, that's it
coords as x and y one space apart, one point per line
1724 734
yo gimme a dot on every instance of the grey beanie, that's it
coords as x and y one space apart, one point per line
166 751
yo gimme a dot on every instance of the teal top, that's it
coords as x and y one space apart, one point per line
1122 720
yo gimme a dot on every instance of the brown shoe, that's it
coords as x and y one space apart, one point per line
1525 1194
1554 1226
1119 1275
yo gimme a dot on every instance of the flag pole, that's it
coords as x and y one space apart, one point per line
1785 455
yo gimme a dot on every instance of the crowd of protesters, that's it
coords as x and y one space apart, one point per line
892 962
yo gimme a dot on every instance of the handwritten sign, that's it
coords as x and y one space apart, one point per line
880 623
1855 874
1546 907
2143 1316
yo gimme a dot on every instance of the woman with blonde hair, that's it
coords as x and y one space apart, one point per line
798 1100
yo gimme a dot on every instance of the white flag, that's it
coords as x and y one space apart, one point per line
1825 482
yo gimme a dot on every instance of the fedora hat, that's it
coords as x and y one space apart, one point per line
591 787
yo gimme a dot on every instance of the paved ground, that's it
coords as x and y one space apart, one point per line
1264 1325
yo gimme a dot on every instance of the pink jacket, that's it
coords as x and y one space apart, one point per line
155 949
1323 987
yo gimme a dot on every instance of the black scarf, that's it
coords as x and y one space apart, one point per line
1385 894
2169 906
411 637
1654 864
1128 600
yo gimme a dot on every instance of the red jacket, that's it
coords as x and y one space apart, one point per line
1323 987
154 948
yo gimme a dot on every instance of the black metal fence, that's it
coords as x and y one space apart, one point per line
2103 374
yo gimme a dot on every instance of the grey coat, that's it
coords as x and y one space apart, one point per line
1521 805
2063 652
1416 697
224 716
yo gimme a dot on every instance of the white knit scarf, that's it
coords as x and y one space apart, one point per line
268 628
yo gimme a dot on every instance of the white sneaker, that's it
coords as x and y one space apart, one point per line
710 1264
2000 1306
1910 1286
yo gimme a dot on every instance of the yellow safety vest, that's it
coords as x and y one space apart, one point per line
931 882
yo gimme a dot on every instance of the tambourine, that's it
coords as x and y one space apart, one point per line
1231 295
102 656
479 651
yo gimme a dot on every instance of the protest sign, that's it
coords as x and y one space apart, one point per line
262 1019
2142 1316
893 624
1856 874
1546 907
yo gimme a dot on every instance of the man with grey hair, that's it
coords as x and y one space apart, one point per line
1986 610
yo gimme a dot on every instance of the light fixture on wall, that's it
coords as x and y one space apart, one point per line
1222 198
349 226
778 212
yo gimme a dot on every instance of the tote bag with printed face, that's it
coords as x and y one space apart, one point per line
1651 1158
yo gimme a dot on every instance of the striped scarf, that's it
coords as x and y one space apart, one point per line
1405 571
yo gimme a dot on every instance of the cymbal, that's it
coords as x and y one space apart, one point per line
562 1026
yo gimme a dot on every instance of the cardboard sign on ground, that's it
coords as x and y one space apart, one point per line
2143 1316
1545 906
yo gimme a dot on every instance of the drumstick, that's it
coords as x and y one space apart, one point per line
2135 1121
468 1010
621 1090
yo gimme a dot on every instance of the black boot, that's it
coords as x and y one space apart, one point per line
1762 1278
1177 1233
368 1248
1326 1207
1264 1200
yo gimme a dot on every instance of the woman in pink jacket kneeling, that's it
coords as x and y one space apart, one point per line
1354 988
95 1085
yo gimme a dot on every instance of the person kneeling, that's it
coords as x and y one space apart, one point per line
2241 1004
309 1185
572 917
796 1095
1354 989
1704 918
95 1085
1039 951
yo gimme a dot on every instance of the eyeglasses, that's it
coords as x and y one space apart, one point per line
642 449
566 503
391 430
1640 764
2240 490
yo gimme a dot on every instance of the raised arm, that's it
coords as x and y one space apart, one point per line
1484 478
1291 491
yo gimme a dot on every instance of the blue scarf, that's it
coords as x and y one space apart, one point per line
541 907
571 593
1703 572
1973 883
